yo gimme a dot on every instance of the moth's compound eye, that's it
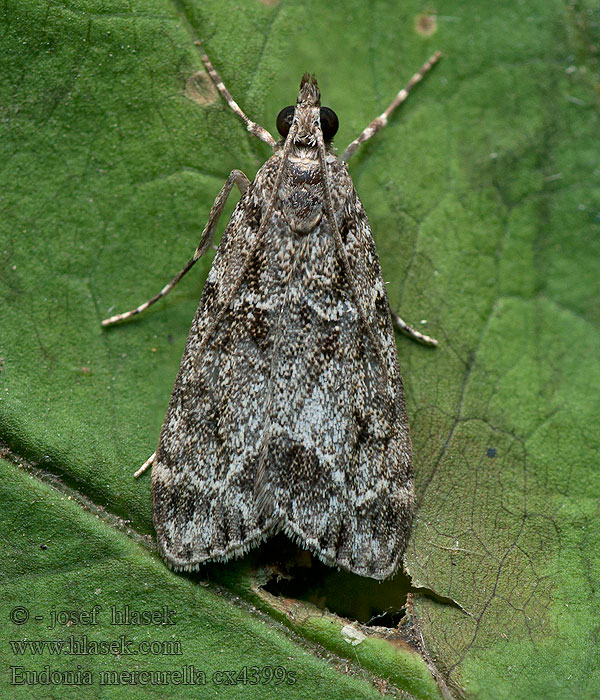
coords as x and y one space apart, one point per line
285 119
329 123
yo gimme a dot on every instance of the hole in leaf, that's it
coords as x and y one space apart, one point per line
296 573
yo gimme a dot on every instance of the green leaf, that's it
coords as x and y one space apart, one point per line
484 197
84 572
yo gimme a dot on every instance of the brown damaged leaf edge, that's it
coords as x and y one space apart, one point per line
385 652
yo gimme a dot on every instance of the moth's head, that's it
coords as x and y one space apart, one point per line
308 116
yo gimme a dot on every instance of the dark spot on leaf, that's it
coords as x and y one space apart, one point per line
426 25
201 89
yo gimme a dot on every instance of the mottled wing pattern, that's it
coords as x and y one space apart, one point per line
285 415
338 471
206 461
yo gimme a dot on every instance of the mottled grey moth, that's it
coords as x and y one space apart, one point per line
288 412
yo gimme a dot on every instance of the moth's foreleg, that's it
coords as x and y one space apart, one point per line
236 177
148 463
411 332
254 128
382 119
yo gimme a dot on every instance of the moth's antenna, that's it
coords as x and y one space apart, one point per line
254 128
382 119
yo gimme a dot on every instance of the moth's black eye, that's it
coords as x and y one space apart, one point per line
329 123
284 120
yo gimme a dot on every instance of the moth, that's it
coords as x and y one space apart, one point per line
288 412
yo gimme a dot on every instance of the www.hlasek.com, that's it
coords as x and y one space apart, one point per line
83 646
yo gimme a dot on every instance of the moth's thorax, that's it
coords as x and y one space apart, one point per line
301 194
301 191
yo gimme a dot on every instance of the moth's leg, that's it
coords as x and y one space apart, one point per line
411 332
236 177
382 119
252 127
148 463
